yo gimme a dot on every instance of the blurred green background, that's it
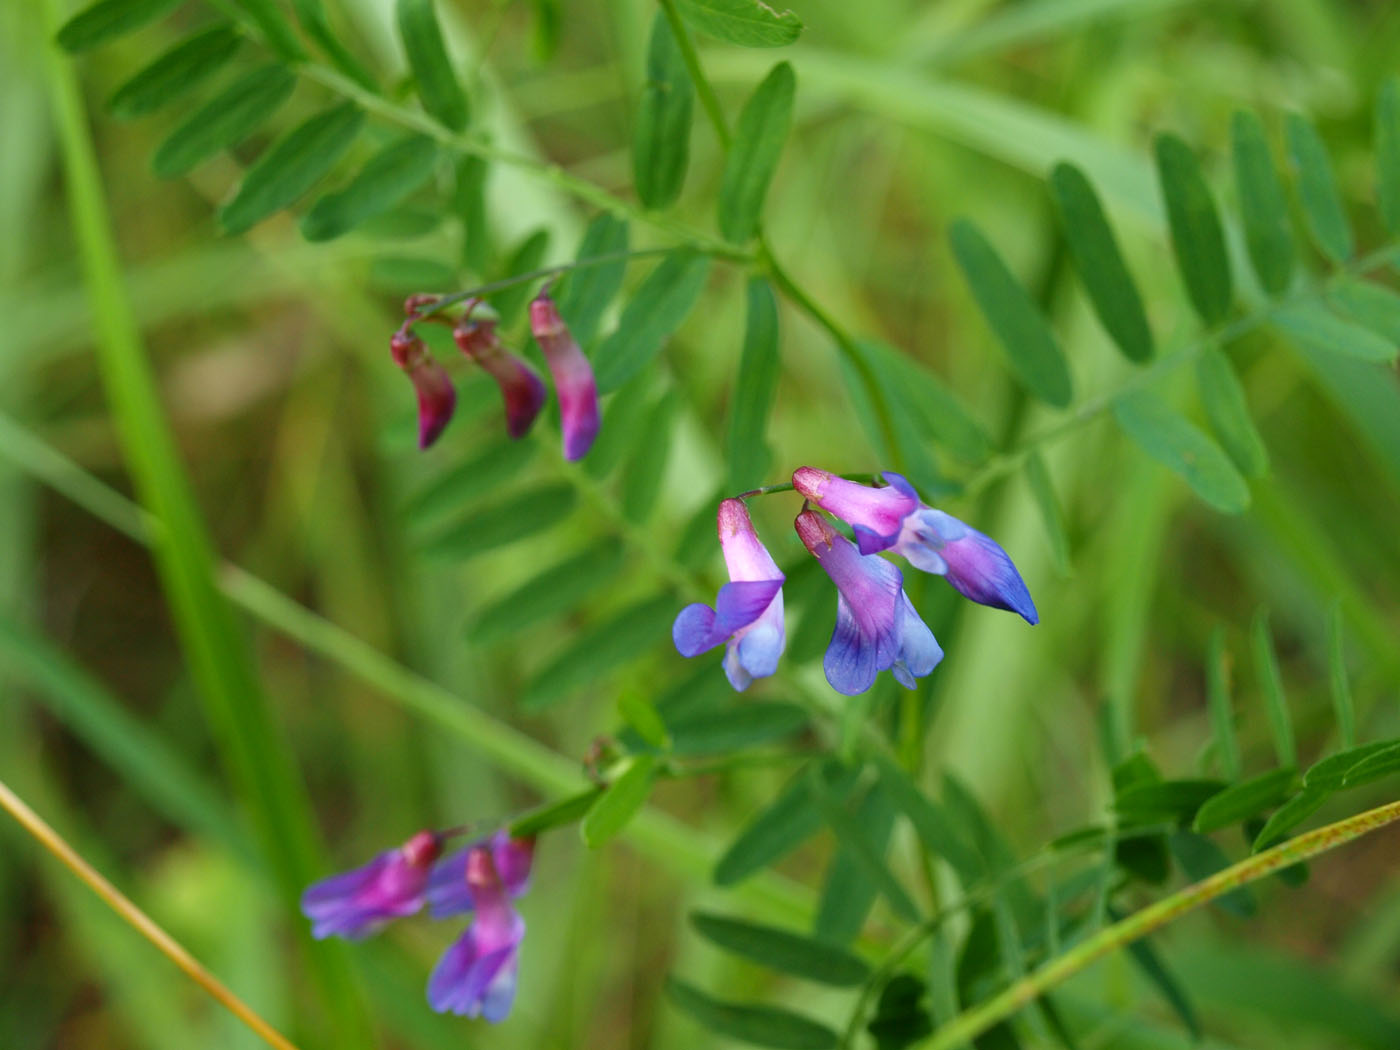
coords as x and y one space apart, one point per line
297 432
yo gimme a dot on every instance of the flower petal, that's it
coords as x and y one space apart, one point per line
851 661
919 652
875 514
741 603
694 631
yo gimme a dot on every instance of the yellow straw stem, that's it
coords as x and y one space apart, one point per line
139 920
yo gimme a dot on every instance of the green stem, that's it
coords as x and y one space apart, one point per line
708 99
972 1023
219 661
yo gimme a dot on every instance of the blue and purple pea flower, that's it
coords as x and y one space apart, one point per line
522 390
476 976
877 628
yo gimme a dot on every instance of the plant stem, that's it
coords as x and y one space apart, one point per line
138 919
971 1023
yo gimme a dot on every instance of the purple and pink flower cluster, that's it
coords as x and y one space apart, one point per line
476 976
877 629
522 389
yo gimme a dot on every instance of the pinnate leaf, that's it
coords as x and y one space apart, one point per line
108 19
620 802
177 72
225 120
387 178
656 310
748 23
1246 799
1170 439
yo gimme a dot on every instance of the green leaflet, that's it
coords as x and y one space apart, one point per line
769 1026
1178 444
1051 516
453 489
655 310
292 165
528 256
1197 237
1222 713
782 950
933 411
557 589
1152 801
177 72
735 727
387 178
1160 976
661 142
855 840
850 888
1290 815
273 24
438 89
1015 319
1317 190
599 649
469 205
1313 326
403 222
779 828
748 23
502 523
108 19
583 295
1382 763
620 801
1387 132
312 16
1223 398
554 814
1371 305
644 473
753 156
641 717
1100 264
225 120
1246 799
1268 232
1330 773
754 388
1271 685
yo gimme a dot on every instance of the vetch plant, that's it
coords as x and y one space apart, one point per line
892 248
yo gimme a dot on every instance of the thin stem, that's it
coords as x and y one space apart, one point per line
972 1023
708 99
138 919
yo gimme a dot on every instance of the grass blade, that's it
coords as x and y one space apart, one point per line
1337 677
1222 713
1271 685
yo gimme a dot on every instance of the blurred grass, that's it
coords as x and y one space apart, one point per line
293 429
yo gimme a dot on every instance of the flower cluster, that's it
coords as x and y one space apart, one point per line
877 629
476 975
522 389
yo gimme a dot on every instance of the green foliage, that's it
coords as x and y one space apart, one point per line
1171 439
438 88
387 178
758 143
754 388
1263 207
782 950
625 795
1198 240
224 121
177 72
758 1025
108 19
655 310
748 23
661 141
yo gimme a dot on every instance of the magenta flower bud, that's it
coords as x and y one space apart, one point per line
436 397
748 612
521 387
573 377
476 976
358 902
875 515
877 629
448 892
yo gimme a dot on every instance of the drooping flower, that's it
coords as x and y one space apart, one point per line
436 396
573 377
748 611
356 903
476 976
877 629
448 892
893 518
521 387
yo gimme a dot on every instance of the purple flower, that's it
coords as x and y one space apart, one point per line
748 612
876 627
876 515
573 377
521 387
436 396
893 518
356 903
448 892
476 975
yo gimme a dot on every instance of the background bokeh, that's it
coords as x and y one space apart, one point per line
297 435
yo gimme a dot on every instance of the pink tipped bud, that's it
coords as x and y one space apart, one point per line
521 387
422 849
814 532
573 377
436 397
